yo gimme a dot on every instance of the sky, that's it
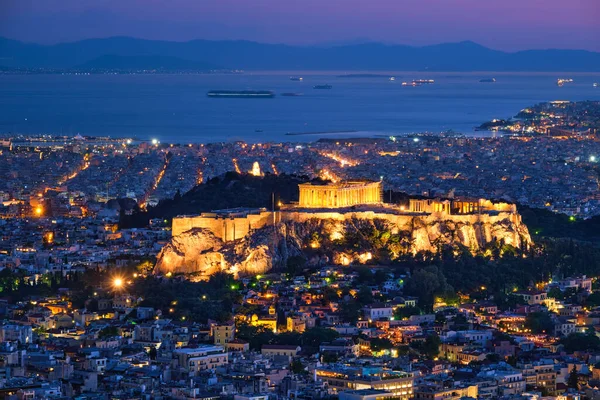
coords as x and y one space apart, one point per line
509 25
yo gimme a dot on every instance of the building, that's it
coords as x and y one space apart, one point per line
223 333
533 296
459 206
341 378
342 194
280 350
366 394
22 334
204 357
227 225
438 393
377 311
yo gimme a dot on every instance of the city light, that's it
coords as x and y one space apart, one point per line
38 210
155 141
117 282
592 158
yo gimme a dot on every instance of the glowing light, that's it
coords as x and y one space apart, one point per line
38 210
155 141
256 169
343 161
117 282
592 158
236 166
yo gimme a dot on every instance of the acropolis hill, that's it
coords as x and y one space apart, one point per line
328 224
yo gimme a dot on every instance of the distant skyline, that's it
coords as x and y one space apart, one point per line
509 25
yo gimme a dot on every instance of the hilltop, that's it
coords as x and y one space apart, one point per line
238 54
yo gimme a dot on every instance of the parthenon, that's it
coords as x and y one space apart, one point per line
337 195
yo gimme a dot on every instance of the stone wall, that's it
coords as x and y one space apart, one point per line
226 228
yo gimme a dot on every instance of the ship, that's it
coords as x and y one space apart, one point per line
296 78
242 94
423 81
595 84
413 83
488 80
561 81
291 94
322 86
392 78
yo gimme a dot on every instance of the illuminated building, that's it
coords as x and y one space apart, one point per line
343 194
340 378
200 358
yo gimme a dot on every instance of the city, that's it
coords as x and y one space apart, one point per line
299 200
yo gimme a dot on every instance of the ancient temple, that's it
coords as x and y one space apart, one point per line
341 194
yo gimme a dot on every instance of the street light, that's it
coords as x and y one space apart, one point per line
117 282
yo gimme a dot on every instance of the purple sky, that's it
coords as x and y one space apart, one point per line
500 24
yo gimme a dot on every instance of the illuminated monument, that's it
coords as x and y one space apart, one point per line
249 241
342 194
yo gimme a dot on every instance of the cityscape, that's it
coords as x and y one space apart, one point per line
237 201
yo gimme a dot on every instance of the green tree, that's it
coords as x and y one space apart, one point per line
539 322
406 312
573 380
349 311
313 337
297 367
581 342
378 344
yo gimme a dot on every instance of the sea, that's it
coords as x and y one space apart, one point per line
175 108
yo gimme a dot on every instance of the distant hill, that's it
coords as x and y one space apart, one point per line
463 56
132 63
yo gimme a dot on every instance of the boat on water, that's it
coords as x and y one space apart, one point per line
296 78
292 94
392 78
423 81
241 94
322 86
561 81
487 80
413 83
595 84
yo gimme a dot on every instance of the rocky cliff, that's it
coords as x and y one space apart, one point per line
338 238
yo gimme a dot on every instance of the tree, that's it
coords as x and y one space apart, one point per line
349 311
295 265
378 344
297 367
406 312
431 347
152 353
425 283
313 337
109 331
573 380
581 342
539 322
329 357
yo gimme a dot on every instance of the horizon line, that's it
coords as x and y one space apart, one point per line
313 45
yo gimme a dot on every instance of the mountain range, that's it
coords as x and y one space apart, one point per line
132 53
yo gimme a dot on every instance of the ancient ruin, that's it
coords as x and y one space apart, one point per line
245 241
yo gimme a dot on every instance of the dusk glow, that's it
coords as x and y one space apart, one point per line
505 25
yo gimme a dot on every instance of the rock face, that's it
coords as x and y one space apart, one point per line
337 238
